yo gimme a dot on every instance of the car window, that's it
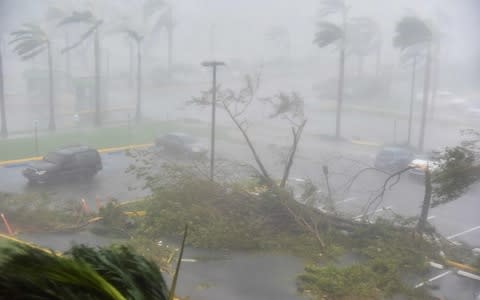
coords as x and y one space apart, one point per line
87 157
55 158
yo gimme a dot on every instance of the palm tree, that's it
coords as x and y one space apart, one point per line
411 57
410 32
327 34
159 14
114 273
94 23
29 42
3 115
137 38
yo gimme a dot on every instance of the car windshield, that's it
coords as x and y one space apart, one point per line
185 139
54 158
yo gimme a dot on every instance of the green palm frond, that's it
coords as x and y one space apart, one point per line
32 273
79 17
411 31
29 41
133 275
327 34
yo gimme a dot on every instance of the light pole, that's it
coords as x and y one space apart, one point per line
213 65
35 128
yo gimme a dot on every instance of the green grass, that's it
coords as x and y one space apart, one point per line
18 148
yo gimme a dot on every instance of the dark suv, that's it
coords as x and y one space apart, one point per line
65 163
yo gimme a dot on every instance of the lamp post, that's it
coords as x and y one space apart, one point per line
213 65
35 132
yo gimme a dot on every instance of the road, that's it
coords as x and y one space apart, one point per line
457 221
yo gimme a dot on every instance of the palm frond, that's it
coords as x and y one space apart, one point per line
134 35
411 31
33 53
29 42
133 275
31 273
83 37
327 34
79 17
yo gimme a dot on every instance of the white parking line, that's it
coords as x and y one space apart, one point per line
431 217
346 200
433 278
373 212
463 232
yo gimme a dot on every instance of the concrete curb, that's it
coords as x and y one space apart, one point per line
24 161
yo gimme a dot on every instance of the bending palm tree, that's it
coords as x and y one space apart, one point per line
3 117
94 24
84 273
137 38
114 273
327 34
29 42
159 14
410 32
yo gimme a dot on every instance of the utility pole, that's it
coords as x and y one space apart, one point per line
213 65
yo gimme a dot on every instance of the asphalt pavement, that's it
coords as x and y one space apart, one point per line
457 220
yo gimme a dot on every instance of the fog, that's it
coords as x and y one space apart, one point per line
306 93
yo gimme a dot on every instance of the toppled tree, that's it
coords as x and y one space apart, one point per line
285 105
446 178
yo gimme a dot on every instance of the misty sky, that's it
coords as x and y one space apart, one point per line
239 27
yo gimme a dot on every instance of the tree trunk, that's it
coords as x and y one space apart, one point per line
67 57
341 79
360 66
263 170
296 138
51 122
426 90
426 202
435 75
138 115
98 78
3 117
378 60
130 63
170 40
412 98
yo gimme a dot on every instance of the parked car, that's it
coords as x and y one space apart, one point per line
432 160
420 166
393 158
66 162
181 144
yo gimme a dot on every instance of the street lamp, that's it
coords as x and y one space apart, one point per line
213 65
35 132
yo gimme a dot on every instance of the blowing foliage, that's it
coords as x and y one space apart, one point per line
83 273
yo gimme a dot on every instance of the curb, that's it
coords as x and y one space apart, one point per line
22 162
462 267
365 143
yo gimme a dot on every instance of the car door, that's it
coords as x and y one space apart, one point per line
69 166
